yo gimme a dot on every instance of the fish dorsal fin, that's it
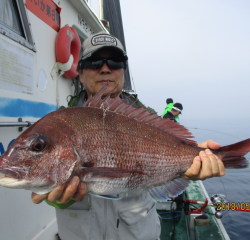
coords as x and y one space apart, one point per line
118 105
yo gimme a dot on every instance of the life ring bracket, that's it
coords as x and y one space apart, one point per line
63 67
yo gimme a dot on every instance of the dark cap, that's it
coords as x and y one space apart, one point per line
99 41
169 100
177 107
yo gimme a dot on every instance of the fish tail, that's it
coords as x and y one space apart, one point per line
233 155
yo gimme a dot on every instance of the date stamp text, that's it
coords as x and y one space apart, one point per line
233 206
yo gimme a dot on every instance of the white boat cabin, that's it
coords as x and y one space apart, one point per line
30 89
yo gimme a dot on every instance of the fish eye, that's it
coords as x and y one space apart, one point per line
38 145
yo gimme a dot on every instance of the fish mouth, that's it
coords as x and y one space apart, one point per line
34 186
13 178
17 173
5 180
10 182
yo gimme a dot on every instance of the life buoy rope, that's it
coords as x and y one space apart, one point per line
68 43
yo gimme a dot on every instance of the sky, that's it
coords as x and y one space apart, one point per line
196 52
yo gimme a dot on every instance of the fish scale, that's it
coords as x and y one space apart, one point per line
146 149
114 147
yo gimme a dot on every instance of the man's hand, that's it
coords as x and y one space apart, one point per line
207 164
75 190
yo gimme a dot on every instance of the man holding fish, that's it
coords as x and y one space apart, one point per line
134 215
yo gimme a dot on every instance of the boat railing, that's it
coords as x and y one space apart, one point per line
20 124
16 124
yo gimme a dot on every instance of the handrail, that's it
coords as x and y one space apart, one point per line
16 124
20 124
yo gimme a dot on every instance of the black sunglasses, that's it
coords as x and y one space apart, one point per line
98 63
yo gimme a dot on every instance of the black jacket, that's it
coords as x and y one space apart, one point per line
83 98
79 99
170 116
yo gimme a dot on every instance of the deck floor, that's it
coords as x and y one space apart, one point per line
212 232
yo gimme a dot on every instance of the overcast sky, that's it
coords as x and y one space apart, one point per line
196 52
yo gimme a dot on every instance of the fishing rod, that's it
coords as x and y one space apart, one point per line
209 130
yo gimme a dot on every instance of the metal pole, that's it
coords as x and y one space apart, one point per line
187 226
101 9
15 124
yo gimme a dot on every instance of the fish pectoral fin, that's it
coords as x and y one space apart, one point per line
169 190
106 173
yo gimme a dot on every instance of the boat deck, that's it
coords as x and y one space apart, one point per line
215 230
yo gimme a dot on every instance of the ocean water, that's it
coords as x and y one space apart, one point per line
236 183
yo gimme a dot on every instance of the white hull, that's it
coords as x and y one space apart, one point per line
20 218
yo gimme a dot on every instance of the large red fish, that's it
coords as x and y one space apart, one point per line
112 146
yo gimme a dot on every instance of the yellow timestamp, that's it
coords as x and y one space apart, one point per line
233 206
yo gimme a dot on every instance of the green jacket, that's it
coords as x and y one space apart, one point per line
168 109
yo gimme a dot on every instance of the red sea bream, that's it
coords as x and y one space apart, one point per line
113 147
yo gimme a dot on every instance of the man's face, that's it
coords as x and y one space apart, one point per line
94 79
176 113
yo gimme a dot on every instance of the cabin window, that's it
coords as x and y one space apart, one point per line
14 22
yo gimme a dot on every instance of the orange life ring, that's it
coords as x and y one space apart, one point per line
67 43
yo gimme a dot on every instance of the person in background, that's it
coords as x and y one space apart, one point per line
170 104
175 112
81 216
